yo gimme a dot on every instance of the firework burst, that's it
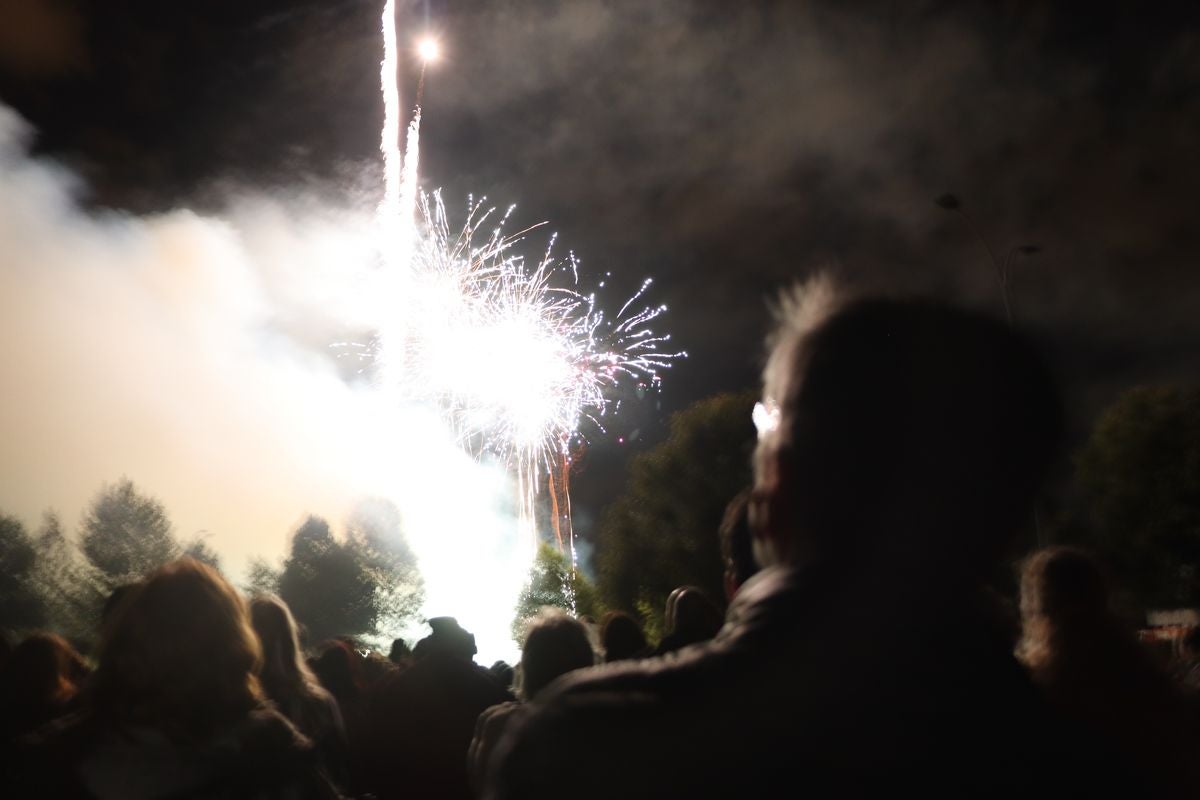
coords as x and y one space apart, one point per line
512 351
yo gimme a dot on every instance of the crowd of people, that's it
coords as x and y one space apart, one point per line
864 649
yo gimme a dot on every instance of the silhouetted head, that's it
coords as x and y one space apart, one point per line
1065 614
1063 584
555 644
503 672
621 637
737 543
337 668
693 617
284 671
181 657
42 669
898 431
1092 667
399 652
447 640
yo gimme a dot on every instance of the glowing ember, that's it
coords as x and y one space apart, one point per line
429 49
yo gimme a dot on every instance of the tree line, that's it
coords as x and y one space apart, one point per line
362 583
1131 494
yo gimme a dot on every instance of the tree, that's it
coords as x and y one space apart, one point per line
126 534
21 607
71 589
362 585
1138 494
661 533
200 550
376 531
261 578
323 584
553 583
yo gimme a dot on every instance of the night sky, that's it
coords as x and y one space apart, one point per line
724 148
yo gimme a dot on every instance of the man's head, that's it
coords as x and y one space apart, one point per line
897 428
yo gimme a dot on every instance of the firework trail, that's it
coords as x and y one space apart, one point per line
510 349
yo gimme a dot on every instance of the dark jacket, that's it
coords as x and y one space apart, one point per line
420 726
261 757
489 729
812 685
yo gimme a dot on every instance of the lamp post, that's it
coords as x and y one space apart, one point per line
1003 266
1004 270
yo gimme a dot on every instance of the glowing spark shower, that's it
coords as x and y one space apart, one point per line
514 353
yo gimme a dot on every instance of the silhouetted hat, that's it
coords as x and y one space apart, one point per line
448 637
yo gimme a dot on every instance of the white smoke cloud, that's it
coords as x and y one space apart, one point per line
193 354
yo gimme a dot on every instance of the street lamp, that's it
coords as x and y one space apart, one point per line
1004 269
1003 266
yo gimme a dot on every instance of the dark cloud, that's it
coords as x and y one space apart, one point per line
730 148
41 38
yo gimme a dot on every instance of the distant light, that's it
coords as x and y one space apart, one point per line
428 49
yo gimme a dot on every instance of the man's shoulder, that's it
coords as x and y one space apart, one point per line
623 703
607 709
656 676
499 714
